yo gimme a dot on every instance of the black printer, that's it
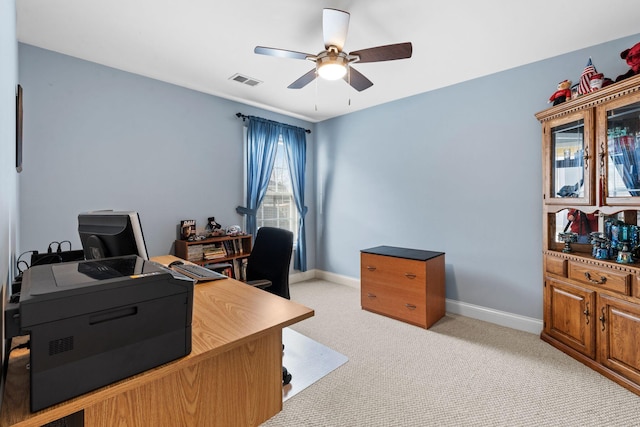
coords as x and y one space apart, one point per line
95 322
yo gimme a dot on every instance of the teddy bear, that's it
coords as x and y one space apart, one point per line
562 94
632 57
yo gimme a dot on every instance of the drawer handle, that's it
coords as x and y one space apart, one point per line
597 282
410 275
370 295
410 306
371 268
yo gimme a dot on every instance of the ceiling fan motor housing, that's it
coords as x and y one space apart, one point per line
331 64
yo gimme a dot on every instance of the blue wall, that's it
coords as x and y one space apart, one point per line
100 138
454 170
8 174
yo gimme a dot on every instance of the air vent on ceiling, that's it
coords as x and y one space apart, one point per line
245 80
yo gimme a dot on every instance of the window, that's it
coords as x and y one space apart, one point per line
278 208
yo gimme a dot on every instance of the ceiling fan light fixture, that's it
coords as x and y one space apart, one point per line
331 65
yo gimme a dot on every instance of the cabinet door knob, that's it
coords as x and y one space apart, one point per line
586 157
371 268
603 319
370 295
586 313
410 306
410 275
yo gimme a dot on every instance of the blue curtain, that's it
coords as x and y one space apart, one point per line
295 144
262 143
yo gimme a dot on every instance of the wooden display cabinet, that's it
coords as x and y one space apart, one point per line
217 250
591 178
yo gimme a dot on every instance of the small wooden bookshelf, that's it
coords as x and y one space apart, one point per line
233 250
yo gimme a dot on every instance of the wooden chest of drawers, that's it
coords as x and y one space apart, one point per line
405 284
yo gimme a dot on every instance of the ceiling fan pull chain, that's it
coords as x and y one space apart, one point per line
349 81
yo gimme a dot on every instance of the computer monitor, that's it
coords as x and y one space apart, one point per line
106 234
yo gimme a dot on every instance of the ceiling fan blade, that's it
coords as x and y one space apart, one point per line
335 25
389 52
357 80
281 53
304 80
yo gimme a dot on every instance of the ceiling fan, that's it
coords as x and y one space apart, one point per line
332 63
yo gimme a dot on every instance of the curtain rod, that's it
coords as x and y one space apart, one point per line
243 117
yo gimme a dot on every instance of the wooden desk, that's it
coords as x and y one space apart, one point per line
233 376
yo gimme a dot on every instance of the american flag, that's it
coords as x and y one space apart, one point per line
589 70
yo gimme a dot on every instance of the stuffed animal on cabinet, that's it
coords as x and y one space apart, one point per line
562 94
632 57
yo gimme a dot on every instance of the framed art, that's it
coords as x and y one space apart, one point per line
19 129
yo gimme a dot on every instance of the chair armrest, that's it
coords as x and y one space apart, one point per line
263 283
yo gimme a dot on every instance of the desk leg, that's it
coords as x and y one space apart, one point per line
241 387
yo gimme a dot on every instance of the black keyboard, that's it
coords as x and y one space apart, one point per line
198 272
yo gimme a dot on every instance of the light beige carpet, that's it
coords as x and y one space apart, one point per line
460 372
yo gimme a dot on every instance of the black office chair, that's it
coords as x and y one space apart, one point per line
268 263
268 267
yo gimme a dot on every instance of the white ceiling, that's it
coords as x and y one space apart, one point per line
200 44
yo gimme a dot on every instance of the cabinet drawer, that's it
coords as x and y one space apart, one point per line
395 272
407 305
602 278
556 266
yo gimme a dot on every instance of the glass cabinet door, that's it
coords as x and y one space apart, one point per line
569 161
622 151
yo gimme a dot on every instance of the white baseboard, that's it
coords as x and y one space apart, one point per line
336 278
299 276
502 318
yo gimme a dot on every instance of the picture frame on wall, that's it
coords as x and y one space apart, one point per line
19 129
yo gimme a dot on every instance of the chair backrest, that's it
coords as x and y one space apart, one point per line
270 259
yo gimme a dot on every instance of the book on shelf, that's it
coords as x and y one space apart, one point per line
214 256
236 269
240 269
229 247
243 268
213 251
187 228
195 253
224 268
227 272
239 248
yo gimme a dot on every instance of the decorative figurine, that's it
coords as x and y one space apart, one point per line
568 238
234 230
601 245
596 81
562 94
213 228
624 255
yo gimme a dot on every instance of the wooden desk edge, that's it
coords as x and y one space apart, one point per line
26 418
